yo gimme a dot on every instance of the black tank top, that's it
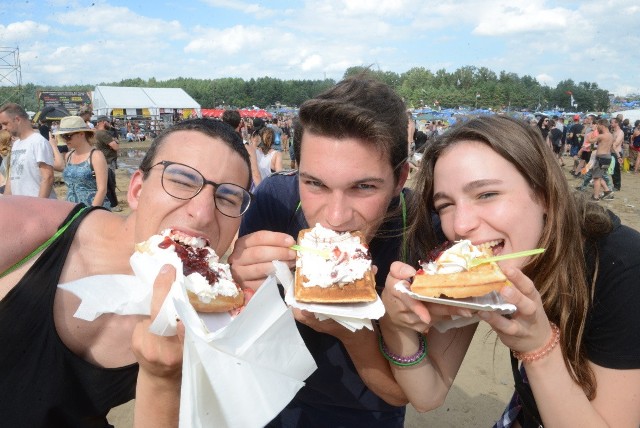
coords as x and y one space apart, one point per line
43 383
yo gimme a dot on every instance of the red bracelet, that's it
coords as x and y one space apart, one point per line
541 353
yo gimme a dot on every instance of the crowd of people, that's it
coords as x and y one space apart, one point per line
574 342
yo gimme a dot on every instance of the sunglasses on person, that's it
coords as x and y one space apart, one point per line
184 182
68 137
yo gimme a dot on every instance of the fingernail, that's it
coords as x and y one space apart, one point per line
508 291
165 268
466 313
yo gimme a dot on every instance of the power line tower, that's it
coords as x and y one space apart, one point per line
10 75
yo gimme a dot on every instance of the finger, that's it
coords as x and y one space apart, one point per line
161 287
522 294
267 238
400 270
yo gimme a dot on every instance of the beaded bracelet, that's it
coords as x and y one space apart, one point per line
399 360
536 355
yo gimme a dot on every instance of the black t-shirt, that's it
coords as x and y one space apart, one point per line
575 139
612 334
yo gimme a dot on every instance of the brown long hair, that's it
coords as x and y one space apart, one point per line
560 272
268 136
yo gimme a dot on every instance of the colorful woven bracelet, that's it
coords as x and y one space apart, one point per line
543 352
401 361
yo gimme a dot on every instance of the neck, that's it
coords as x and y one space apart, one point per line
25 133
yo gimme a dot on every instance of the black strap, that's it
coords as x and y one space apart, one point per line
93 173
531 415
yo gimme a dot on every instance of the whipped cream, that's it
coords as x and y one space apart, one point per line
347 262
455 259
194 282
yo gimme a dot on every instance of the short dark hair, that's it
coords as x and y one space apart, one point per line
359 107
231 117
211 128
14 110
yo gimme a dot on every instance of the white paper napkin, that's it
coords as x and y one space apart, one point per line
237 372
352 316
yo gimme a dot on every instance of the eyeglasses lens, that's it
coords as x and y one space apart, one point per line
184 182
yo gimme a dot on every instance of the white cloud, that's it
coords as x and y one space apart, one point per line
19 31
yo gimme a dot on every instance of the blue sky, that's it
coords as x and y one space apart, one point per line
95 41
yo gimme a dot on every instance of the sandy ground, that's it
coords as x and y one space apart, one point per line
484 384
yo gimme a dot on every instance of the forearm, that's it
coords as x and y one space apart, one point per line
157 401
561 402
372 367
46 184
427 383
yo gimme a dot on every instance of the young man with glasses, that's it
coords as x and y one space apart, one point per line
31 156
56 370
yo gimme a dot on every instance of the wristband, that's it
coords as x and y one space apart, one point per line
541 353
401 361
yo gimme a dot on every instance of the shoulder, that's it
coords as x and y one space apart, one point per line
275 201
24 228
612 336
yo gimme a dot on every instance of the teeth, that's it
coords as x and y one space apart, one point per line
192 241
488 245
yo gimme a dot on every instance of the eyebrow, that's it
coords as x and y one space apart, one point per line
363 180
469 187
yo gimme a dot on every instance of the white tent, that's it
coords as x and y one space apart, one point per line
116 101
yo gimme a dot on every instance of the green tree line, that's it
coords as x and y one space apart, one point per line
467 86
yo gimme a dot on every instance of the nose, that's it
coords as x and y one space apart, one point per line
338 212
465 221
202 207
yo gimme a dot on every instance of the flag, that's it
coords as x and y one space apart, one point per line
569 93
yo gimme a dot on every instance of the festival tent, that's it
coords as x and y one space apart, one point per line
117 101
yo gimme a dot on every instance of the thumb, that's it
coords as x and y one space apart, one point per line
161 287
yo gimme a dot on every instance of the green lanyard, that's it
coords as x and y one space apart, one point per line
43 246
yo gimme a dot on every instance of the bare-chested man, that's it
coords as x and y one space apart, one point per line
616 151
603 159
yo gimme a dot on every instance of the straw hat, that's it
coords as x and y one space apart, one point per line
71 124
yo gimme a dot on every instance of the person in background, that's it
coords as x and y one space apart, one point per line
107 143
574 333
31 168
269 159
84 168
5 157
44 129
85 114
234 120
634 147
617 153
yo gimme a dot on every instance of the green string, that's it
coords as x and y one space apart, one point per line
43 246
404 227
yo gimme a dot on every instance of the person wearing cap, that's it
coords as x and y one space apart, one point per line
84 168
108 145
31 156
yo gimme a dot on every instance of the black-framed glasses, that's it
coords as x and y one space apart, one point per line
68 137
184 182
